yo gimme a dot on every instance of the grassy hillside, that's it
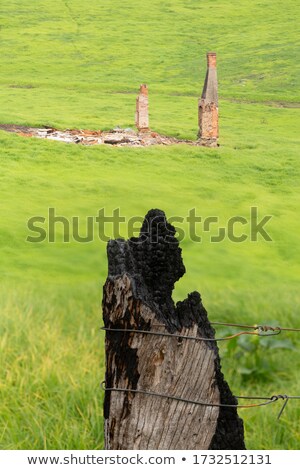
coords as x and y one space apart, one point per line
76 63
79 64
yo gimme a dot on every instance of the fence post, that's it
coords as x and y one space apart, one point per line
138 296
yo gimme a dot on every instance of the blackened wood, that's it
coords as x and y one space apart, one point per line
138 295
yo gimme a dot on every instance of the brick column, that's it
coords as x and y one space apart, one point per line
141 114
208 105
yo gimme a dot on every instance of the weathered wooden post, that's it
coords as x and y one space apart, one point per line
153 372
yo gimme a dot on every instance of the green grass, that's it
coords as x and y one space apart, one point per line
80 65
73 65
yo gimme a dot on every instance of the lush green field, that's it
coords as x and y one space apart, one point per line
79 64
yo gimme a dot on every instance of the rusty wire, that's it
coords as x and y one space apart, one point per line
255 327
259 332
249 327
266 400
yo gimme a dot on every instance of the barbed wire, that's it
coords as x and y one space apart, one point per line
266 400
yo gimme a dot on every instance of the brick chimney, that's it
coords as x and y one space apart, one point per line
141 114
208 105
211 59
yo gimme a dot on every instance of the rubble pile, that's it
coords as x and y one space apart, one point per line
117 136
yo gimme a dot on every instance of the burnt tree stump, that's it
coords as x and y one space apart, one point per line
138 296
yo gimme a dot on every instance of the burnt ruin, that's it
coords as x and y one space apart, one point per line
207 118
141 114
208 111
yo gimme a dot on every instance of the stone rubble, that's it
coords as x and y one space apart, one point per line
116 137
